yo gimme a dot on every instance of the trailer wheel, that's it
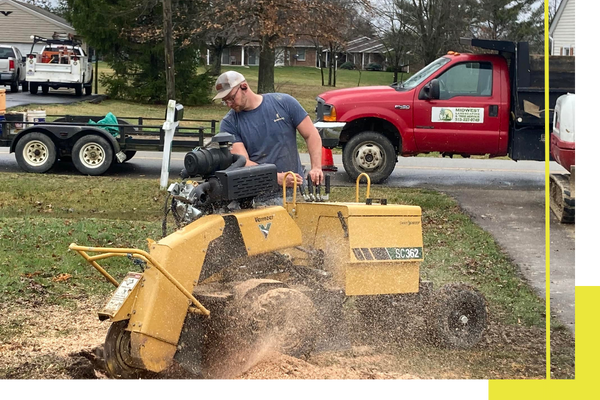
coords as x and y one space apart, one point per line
79 90
88 90
25 86
369 152
35 152
117 353
92 155
458 316
129 155
285 319
45 89
33 88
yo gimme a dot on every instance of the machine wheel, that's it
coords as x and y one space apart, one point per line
369 152
14 87
92 155
25 86
33 88
79 90
285 318
117 353
561 202
35 152
45 89
459 316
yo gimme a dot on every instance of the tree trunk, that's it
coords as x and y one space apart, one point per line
266 66
215 69
169 52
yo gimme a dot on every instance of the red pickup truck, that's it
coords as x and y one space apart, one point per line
462 103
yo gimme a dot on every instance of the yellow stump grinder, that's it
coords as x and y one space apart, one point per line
237 272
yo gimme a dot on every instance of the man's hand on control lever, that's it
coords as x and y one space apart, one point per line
316 176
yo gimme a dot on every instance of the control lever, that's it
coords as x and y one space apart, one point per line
311 194
327 188
318 193
302 192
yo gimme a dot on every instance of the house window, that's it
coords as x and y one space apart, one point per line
569 51
301 54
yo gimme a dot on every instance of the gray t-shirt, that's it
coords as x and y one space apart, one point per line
269 131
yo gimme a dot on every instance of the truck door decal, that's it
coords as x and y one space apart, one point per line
457 114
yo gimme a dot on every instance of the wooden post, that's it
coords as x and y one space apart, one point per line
169 53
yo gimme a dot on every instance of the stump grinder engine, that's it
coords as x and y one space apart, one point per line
236 277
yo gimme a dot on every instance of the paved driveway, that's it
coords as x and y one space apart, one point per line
60 96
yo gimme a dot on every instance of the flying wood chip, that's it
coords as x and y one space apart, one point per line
62 278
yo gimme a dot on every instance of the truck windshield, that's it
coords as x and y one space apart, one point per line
425 73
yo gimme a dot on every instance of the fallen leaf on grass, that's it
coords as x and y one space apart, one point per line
62 278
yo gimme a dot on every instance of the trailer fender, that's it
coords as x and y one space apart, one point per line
62 134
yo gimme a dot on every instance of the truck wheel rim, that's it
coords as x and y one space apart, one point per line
92 155
369 156
35 153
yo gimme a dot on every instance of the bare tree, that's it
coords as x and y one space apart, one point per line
394 33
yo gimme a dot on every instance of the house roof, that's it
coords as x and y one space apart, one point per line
43 13
365 45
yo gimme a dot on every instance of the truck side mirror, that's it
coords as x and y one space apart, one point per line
430 91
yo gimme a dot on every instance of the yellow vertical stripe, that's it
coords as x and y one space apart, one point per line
547 185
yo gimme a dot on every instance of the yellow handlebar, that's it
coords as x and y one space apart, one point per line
284 186
368 185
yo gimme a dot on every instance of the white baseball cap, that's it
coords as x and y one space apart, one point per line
227 81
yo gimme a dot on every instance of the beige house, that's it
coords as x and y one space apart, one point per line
562 30
18 21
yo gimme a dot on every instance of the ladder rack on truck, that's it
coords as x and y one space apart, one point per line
91 147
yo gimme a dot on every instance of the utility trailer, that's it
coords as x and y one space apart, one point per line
91 147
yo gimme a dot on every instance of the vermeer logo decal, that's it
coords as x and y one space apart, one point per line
457 114
265 229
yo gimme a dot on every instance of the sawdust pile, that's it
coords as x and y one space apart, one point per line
58 342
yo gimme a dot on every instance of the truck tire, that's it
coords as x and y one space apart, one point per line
33 88
92 155
45 89
25 86
369 152
14 87
35 152
79 90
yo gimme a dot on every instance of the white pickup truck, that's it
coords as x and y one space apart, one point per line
61 63
12 68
